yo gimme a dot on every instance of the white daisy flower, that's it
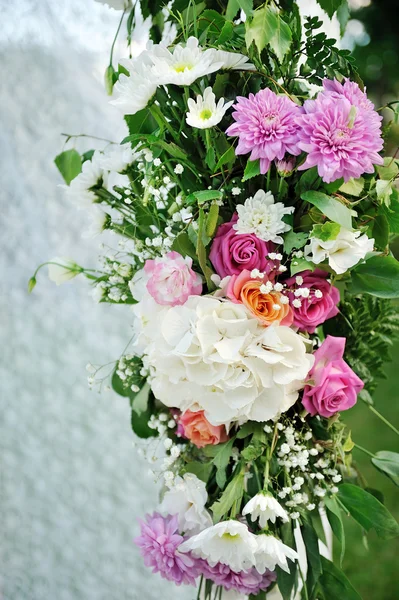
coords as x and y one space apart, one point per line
234 60
99 221
265 508
271 552
204 112
184 64
134 92
61 270
118 158
263 217
228 542
80 189
186 499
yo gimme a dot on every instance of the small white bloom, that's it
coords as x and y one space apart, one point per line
342 253
265 508
61 270
204 112
157 162
228 542
318 294
299 280
236 191
92 175
282 268
186 499
297 303
271 552
178 170
263 217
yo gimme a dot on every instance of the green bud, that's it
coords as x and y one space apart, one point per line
109 79
31 284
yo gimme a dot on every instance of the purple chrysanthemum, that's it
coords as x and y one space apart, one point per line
340 132
244 582
159 542
266 126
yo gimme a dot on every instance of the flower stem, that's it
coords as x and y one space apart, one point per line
200 587
266 473
115 38
383 419
304 584
364 450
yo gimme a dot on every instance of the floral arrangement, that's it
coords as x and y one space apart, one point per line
252 209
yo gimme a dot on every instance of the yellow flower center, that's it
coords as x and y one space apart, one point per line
180 68
230 537
205 114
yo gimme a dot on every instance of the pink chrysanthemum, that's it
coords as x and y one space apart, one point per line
266 126
159 542
340 132
244 582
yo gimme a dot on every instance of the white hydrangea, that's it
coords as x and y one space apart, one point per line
265 508
229 542
263 217
342 253
213 355
186 499
204 112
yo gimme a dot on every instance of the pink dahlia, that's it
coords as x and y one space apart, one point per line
266 126
159 542
352 92
341 138
244 582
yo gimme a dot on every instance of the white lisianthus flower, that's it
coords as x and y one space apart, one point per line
99 222
184 64
263 217
117 4
204 112
133 93
213 355
80 190
234 61
271 552
265 508
229 542
187 499
61 270
343 252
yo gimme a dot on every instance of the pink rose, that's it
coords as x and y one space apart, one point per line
199 431
171 279
232 252
320 305
335 386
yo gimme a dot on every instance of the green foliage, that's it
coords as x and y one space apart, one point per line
334 516
69 164
388 463
311 541
378 276
330 207
334 584
221 460
230 498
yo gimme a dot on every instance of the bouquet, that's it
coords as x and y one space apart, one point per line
252 210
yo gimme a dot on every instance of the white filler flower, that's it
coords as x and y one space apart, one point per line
265 508
204 112
263 217
228 542
343 252
61 270
270 552
187 499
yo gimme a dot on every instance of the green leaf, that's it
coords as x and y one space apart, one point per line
69 164
294 240
201 252
312 554
140 400
225 34
389 170
251 170
384 190
326 231
286 581
388 463
334 583
141 122
368 511
378 276
343 15
310 180
141 413
183 245
253 450
201 470
330 6
301 264
118 387
392 214
381 232
348 444
204 196
335 520
228 157
233 6
282 39
330 207
232 494
212 220
353 187
261 28
221 460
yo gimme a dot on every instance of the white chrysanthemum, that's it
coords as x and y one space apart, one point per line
263 217
271 552
204 112
187 499
133 93
265 508
80 189
116 4
118 158
342 253
182 65
214 355
234 61
99 221
61 270
229 542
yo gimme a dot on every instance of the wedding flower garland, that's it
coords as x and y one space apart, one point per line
253 219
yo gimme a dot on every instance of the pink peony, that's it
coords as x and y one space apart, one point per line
244 582
340 133
232 252
199 431
171 279
266 126
335 386
320 305
159 542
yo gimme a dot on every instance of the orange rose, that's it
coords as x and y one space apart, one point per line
267 307
199 431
